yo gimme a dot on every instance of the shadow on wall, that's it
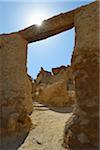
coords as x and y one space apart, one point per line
12 142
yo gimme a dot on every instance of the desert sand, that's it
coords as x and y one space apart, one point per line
47 132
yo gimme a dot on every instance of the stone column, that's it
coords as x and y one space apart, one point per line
15 88
82 129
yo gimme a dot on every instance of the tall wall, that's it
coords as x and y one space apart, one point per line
82 129
15 87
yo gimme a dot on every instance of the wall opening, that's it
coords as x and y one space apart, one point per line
49 64
50 53
52 97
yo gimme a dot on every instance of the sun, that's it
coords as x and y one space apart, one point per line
37 19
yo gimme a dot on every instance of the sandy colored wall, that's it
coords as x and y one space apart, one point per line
15 87
81 131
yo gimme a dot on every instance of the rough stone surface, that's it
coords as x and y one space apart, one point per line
51 26
81 131
55 90
55 94
58 69
43 76
15 87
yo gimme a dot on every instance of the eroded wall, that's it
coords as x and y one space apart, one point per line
56 89
15 87
82 129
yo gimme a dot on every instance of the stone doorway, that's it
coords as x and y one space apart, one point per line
50 53
82 130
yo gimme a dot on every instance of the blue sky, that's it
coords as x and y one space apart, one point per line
51 52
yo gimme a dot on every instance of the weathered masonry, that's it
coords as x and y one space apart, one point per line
81 131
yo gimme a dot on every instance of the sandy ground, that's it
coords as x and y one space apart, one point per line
49 126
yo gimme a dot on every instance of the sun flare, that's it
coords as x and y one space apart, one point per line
37 19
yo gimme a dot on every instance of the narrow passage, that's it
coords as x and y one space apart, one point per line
49 126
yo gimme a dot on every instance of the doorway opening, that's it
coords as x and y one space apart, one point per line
50 53
49 65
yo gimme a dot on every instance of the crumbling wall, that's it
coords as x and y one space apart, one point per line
55 89
15 87
82 129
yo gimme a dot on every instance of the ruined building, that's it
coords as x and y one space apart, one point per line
56 88
81 131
